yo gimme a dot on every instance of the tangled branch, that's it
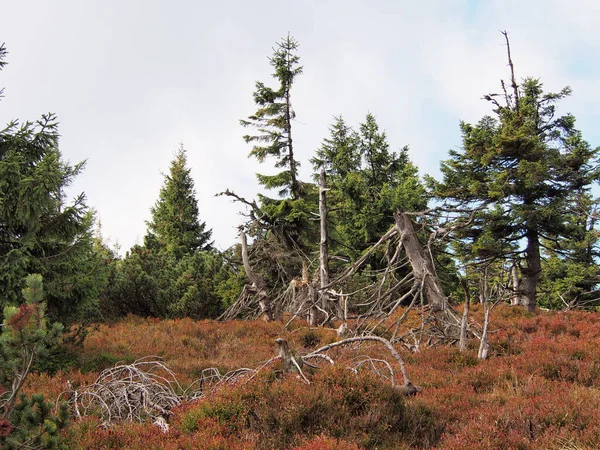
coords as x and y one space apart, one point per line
144 390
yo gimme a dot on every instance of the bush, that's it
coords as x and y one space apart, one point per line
32 425
280 412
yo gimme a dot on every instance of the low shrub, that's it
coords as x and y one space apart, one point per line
342 405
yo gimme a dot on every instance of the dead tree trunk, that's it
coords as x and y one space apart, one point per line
485 293
464 324
257 284
291 363
323 249
516 293
422 266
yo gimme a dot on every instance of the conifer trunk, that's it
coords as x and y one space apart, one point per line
288 119
516 292
531 275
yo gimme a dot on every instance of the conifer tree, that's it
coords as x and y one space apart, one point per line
273 121
339 153
40 232
368 183
175 226
26 338
571 274
519 168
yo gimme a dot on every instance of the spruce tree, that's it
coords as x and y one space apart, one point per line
177 272
518 168
175 226
571 274
273 121
25 340
368 183
339 153
40 231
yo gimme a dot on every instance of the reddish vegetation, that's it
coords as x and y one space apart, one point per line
540 389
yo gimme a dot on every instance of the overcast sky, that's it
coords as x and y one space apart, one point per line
130 80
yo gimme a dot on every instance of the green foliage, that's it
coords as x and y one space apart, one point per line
273 121
368 184
199 279
27 338
135 282
571 272
34 426
175 227
520 169
39 231
176 273
151 283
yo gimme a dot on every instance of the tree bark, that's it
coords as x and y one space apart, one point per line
258 285
422 266
531 274
295 188
323 247
484 294
462 344
516 285
484 344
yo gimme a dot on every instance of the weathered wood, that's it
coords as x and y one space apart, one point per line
422 266
531 273
291 363
515 298
323 247
258 285
381 340
462 344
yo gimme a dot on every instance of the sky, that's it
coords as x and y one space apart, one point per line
131 80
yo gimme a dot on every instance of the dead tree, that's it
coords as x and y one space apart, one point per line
422 266
257 283
323 248
464 323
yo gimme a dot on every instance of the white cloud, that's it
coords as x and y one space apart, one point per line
130 80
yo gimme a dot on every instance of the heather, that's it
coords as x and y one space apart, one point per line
538 389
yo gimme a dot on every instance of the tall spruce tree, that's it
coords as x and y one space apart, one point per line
368 183
273 121
40 232
519 168
175 226
177 272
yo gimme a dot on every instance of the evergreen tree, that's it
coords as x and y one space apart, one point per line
273 121
339 153
39 231
570 271
26 339
519 169
175 226
368 183
287 222
176 273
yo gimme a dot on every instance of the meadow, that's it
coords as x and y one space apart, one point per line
539 388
